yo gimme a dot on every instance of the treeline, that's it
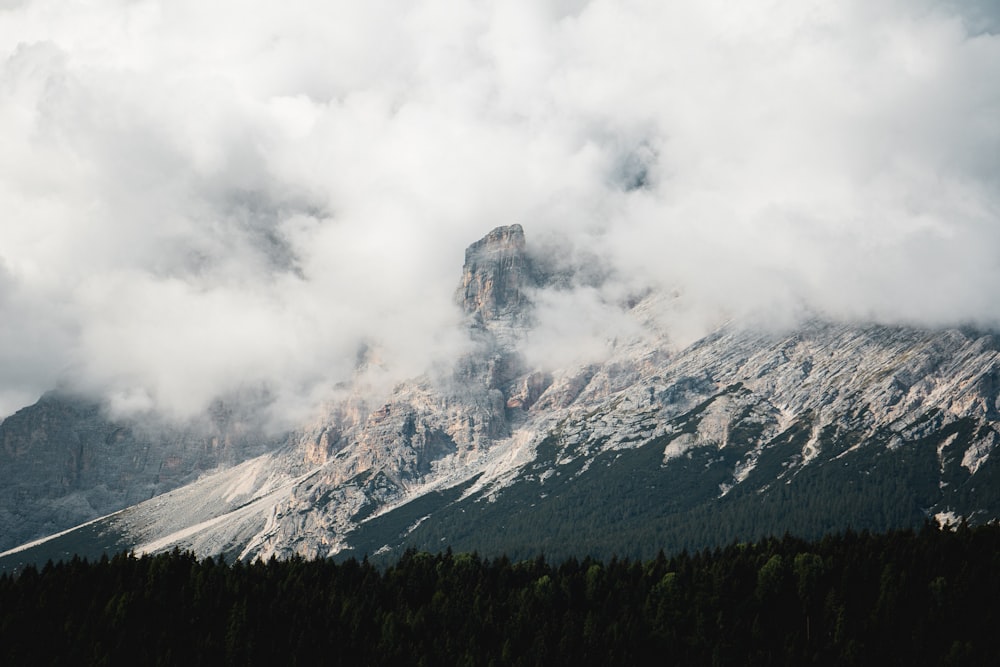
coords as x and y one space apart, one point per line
906 597
631 505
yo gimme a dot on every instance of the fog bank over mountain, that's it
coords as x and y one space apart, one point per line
206 200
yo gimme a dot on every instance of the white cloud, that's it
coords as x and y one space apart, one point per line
202 197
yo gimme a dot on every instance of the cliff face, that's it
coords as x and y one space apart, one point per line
825 426
63 461
423 432
495 275
738 401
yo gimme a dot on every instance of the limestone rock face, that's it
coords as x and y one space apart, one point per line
495 274
63 461
741 403
740 416
424 432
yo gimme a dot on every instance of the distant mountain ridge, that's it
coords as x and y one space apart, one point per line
64 461
741 434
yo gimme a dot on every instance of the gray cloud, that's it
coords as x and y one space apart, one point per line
202 198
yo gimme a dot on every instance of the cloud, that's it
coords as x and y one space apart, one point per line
203 198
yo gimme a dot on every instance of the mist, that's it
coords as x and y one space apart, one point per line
201 199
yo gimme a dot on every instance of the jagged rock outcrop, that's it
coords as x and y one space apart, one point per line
422 429
740 401
495 275
741 434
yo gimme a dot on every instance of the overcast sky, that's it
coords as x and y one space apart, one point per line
201 196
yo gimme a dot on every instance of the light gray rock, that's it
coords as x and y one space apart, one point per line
812 396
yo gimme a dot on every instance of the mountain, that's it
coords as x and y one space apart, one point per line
64 461
741 434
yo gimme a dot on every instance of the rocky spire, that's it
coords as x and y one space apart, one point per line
495 274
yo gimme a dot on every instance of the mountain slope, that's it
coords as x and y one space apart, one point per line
64 461
741 434
749 446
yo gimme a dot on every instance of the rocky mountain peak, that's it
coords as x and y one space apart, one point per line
494 276
751 432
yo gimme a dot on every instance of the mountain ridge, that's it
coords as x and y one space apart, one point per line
741 419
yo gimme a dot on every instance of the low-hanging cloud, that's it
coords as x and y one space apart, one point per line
203 197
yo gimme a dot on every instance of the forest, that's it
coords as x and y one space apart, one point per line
925 596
